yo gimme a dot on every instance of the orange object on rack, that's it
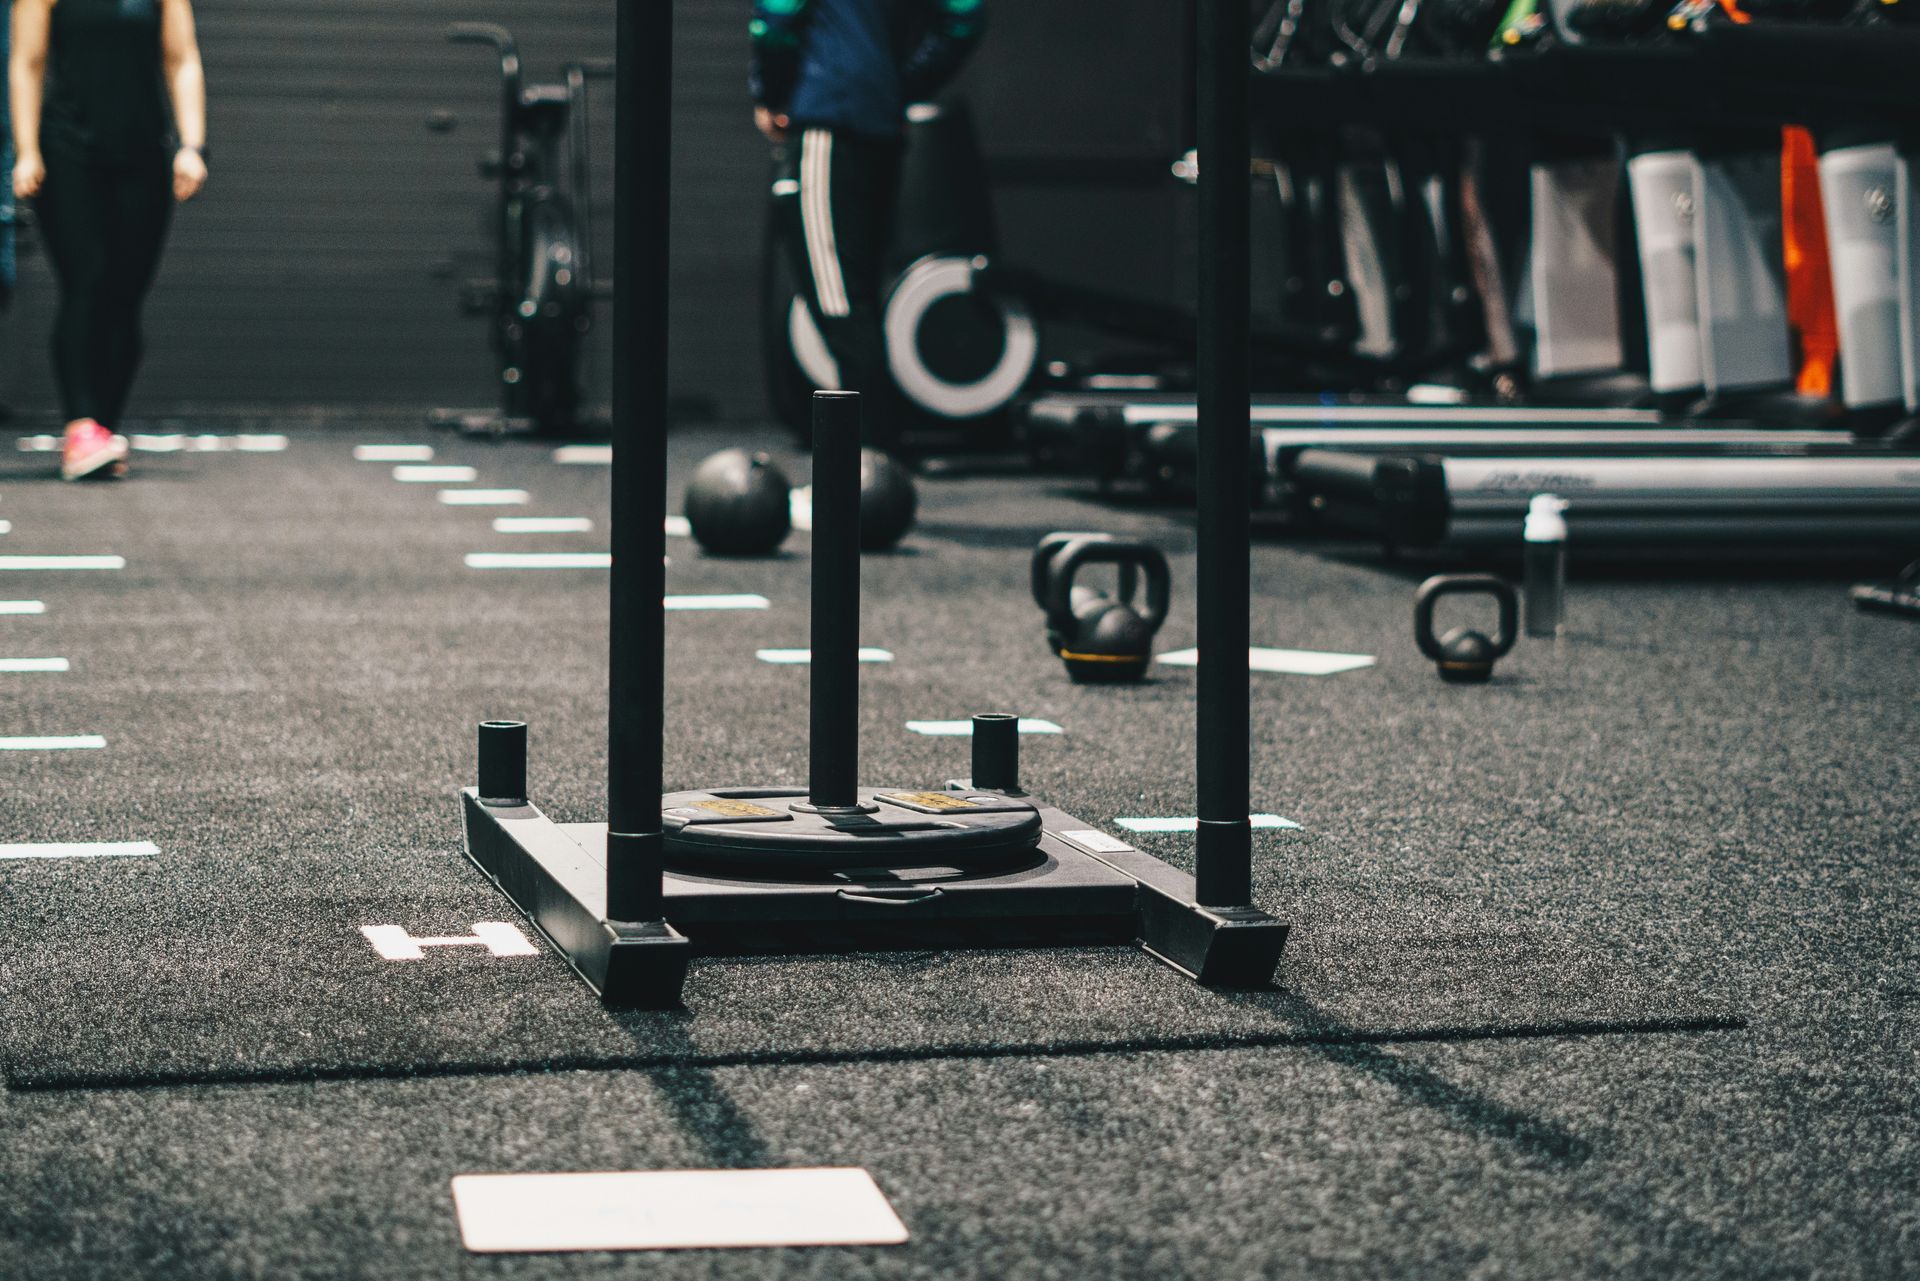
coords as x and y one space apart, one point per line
1810 307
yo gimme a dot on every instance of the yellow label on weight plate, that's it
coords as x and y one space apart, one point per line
736 809
935 800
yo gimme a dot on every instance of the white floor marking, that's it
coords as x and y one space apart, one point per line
485 497
433 474
539 560
67 743
542 525
500 938
84 849
63 562
1293 662
800 508
393 453
207 443
806 655
23 607
1193 824
33 664
740 601
679 527
964 729
604 560
172 443
6 527
672 1210
584 455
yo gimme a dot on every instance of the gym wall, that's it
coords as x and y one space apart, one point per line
319 270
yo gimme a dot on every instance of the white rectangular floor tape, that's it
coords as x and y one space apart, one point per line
867 655
964 729
1190 824
485 497
539 560
82 849
434 474
739 600
672 1210
53 743
63 562
1292 662
542 525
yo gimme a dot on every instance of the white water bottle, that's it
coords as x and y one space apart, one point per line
1545 555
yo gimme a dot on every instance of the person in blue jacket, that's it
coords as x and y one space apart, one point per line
831 82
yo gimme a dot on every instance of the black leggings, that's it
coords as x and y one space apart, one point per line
104 226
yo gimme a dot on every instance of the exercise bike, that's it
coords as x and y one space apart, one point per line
540 298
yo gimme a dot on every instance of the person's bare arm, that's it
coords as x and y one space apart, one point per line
27 75
187 85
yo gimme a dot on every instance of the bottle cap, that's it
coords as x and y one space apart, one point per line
1546 519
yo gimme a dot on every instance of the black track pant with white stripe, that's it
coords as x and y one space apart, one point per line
837 234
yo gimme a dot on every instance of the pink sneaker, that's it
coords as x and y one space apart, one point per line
91 449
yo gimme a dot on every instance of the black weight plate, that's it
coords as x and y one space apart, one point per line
959 832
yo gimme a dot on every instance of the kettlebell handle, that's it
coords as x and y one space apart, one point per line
1041 573
1075 556
1440 585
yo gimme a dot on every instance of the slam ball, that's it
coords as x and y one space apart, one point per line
887 500
739 504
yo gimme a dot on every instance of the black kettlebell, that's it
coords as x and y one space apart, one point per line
1464 656
1102 639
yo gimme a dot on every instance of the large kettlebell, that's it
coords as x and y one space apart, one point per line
1464 656
1101 638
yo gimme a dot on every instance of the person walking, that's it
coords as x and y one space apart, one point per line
109 132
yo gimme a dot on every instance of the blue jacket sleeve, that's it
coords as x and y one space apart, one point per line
953 29
776 29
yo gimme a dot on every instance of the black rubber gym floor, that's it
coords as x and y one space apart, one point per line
1608 968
